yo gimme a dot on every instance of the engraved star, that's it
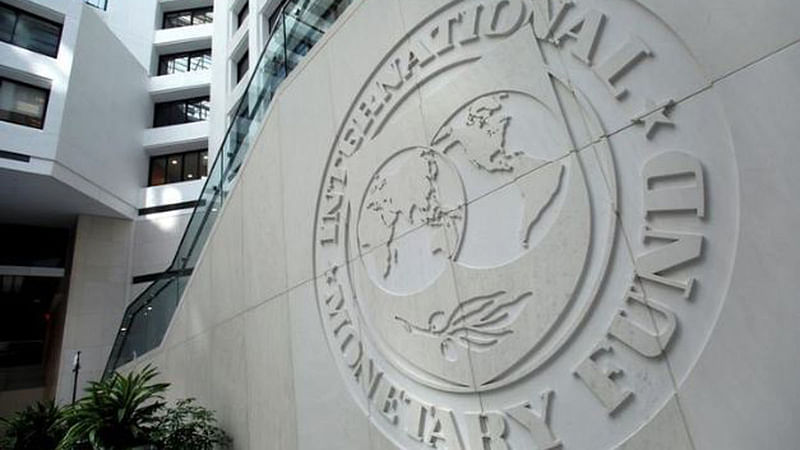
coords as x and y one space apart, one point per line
654 116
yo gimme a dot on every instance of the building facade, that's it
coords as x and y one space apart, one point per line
107 120
466 224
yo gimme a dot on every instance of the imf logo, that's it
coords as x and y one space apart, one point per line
510 216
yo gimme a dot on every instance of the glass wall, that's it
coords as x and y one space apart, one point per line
300 25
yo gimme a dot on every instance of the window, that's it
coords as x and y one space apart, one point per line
178 167
22 103
242 66
242 16
28 31
275 19
181 111
187 17
184 62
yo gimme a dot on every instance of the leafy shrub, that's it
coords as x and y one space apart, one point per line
119 412
37 427
187 426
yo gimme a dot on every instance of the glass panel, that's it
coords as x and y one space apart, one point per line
158 171
203 16
190 166
8 17
37 35
22 104
177 19
197 110
169 114
204 164
148 316
200 61
242 16
179 65
174 169
242 66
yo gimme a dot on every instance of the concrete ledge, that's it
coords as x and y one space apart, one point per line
166 88
175 137
183 39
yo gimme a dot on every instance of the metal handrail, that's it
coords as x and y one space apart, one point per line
147 317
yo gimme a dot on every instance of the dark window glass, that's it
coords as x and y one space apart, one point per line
28 31
177 19
242 16
181 111
274 19
203 163
178 167
197 111
174 168
8 18
190 166
158 171
200 61
184 62
22 103
184 18
242 66
203 16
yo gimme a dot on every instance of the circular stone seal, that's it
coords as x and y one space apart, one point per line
513 222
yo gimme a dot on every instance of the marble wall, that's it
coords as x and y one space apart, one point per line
462 227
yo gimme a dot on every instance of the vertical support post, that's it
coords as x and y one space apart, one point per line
76 368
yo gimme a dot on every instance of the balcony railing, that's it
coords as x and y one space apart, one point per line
302 23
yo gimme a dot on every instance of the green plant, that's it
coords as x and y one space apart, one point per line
187 426
37 427
119 412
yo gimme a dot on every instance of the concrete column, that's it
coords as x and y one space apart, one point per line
98 292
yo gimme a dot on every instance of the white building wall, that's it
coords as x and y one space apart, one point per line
42 71
106 108
248 338
99 287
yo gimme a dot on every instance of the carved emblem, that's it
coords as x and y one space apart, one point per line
478 243
476 324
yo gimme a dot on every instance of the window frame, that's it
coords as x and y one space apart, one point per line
21 12
240 17
245 58
162 59
166 157
185 102
193 12
46 102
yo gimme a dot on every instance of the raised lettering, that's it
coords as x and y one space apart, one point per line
418 56
487 431
666 187
586 31
618 64
368 376
387 398
682 248
538 423
635 336
600 381
506 17
470 25
414 417
546 19
441 431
